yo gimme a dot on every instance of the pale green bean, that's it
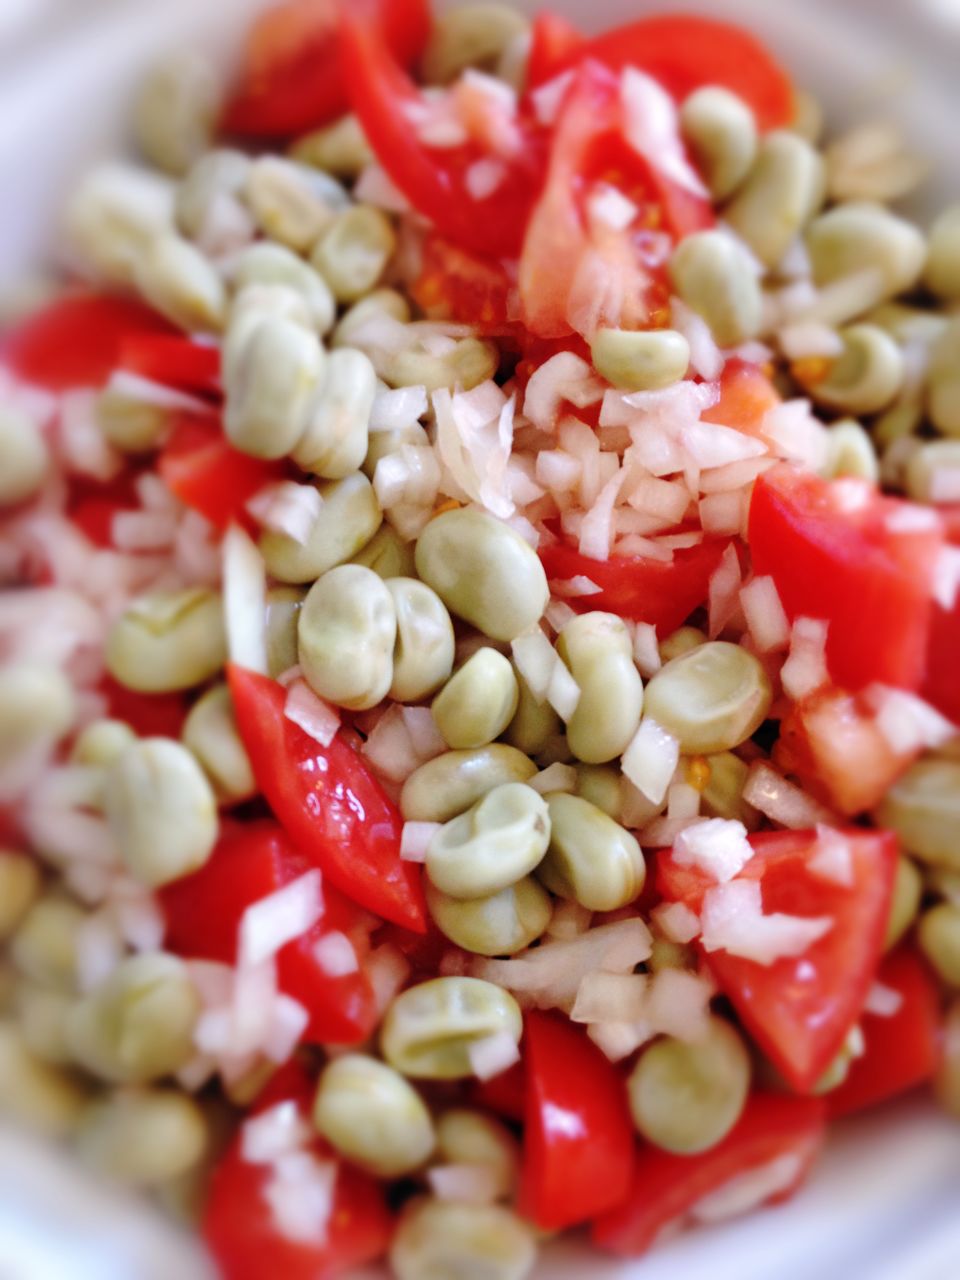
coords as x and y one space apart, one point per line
721 132
598 650
591 859
477 702
353 253
440 1240
923 808
346 635
24 456
781 193
451 783
640 360
938 933
710 699
469 35
210 732
423 651
429 1028
715 276
142 1137
20 884
348 517
499 924
335 440
167 641
498 841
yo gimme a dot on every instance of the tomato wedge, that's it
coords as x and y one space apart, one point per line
76 341
206 473
330 803
746 396
663 593
577 272
799 1009
173 360
238 1223
436 180
684 53
290 78
148 714
842 552
942 680
835 748
667 1188
578 1135
203 913
505 1094
554 43
470 288
900 1051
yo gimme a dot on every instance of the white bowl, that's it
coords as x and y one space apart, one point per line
882 1204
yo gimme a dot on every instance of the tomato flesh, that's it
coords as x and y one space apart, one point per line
173 360
207 474
800 1009
840 551
666 1187
578 1143
330 803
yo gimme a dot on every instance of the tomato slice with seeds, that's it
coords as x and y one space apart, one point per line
800 1009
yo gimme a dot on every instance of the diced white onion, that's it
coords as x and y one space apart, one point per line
883 1001
287 507
651 127
678 1004
564 376
722 512
245 601
270 923
946 577
535 658
575 587
314 716
646 651
415 840
387 969
492 1055
300 1194
765 615
683 801
396 408
563 692
750 1189
719 847
706 358
143 530
610 208
805 669
831 858
781 801
569 919
484 176
336 955
650 759
131 386
610 997
274 1133
547 97
676 922
733 920
907 722
83 446
288 1021
724 590
803 339
465 1183
556 777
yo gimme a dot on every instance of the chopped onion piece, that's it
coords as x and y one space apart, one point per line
288 1021
883 1001
652 129
907 722
131 386
556 777
765 615
387 969
547 97
831 858
805 670
536 658
569 919
683 801
466 1183
336 955
300 1194
618 1040
610 208
803 339
564 377
719 847
577 586
484 176
492 1055
563 692
287 507
396 408
274 1133
678 1004
415 840
314 716
273 921
706 358
646 651
610 997
724 590
676 922
782 801
733 921
651 759
245 601
750 1189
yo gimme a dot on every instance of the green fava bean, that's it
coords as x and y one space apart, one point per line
471 362
721 132
907 896
780 194
440 1239
387 555
266 263
142 1137
167 641
681 641
423 652
137 1025
860 236
946 1083
450 783
484 572
867 376
923 808
686 1097
44 947
943 381
24 456
470 35
497 925
334 443
598 650
183 284
176 110
534 724
272 367
210 732
20 883
714 275
382 302
209 204
353 252
591 859
429 1028
927 464
600 785
373 1116
710 699
346 635
340 148
37 707
283 610
493 845
850 452
35 1094
722 796
348 517
938 934
474 1138
41 1016
942 272
477 703
129 424
641 359
161 810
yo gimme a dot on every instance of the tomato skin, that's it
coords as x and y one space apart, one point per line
942 680
578 1135
666 1187
291 79
470 288
746 396
76 341
554 42
656 591
330 803
832 553
434 180
836 749
207 474
237 1223
684 53
505 1094
148 714
173 360
203 913
800 1009
901 1051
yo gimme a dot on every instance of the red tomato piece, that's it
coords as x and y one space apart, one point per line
206 473
150 715
454 284
435 180
799 1009
663 593
685 53
902 1050
554 43
835 748
667 1188
75 341
505 1094
203 913
240 1231
173 360
575 272
92 505
578 1134
330 803
291 79
840 551
942 681
746 395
